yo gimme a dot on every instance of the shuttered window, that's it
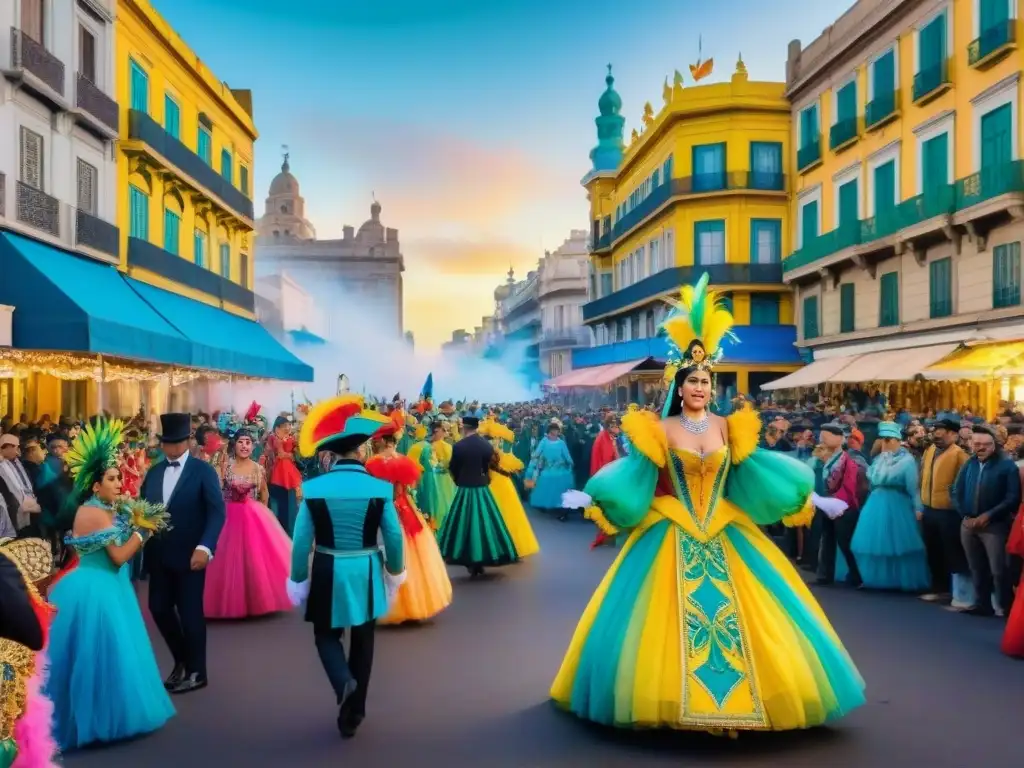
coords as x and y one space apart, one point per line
810 317
940 287
889 308
88 186
226 165
992 14
243 184
138 213
808 223
849 207
172 116
172 232
87 54
764 309
139 87
31 158
997 137
32 19
243 270
885 187
199 247
1006 275
935 164
932 44
225 261
847 311
204 145
846 102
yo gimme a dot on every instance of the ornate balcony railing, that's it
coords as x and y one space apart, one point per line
38 209
32 56
93 232
562 338
991 41
92 99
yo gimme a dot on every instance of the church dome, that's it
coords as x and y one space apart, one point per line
610 102
284 183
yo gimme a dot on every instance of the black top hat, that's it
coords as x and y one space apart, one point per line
470 421
175 427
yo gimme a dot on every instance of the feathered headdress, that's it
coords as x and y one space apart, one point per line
336 419
253 412
93 452
696 327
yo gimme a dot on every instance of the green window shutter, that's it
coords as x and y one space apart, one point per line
808 223
940 288
138 213
932 44
847 311
765 241
885 187
997 137
764 309
204 144
199 248
243 185
139 84
226 165
172 232
172 117
709 242
889 309
935 163
846 102
225 261
810 317
1006 276
883 75
849 212
993 13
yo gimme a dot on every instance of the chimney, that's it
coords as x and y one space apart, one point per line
793 62
391 235
348 232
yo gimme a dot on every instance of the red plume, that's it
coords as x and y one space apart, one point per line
254 411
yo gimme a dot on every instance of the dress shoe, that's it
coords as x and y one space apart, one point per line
192 682
174 679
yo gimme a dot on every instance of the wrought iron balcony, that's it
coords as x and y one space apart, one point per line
809 153
991 44
881 108
93 232
565 338
842 132
92 99
930 80
38 209
143 128
31 56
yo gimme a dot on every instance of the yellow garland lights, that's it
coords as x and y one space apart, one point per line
16 363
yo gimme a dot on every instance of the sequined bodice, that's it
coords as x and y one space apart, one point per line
699 479
238 488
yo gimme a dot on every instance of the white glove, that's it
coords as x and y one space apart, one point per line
576 500
392 583
831 506
297 591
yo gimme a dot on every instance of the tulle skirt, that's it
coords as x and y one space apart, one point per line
552 482
33 733
104 681
427 590
248 573
516 521
888 545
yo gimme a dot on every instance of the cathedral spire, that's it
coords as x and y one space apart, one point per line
607 155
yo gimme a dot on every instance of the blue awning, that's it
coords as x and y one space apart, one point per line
70 303
223 341
304 336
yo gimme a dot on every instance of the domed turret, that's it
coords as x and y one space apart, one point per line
607 155
284 217
284 183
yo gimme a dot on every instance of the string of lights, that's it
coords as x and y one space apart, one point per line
69 366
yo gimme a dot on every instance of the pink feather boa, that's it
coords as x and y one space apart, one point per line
33 732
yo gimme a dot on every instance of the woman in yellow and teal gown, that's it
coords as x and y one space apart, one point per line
436 489
504 466
701 623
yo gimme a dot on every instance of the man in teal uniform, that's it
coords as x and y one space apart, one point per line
344 515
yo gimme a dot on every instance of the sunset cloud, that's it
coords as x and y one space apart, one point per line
431 181
483 257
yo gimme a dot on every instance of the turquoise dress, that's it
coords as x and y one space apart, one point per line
887 542
551 469
104 681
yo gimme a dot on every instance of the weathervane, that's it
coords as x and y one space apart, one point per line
284 152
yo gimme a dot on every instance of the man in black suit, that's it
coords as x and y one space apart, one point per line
177 558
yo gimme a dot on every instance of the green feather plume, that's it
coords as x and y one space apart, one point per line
146 516
93 452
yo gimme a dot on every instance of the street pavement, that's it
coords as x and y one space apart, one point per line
470 689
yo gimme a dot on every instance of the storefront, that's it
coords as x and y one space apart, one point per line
85 338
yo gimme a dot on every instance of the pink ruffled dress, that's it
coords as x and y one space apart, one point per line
250 568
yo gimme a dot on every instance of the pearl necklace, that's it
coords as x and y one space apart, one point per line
694 426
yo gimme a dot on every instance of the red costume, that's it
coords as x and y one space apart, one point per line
605 451
1013 635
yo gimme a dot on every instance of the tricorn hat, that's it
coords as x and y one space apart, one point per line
175 427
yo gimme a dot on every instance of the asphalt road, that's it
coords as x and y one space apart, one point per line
470 689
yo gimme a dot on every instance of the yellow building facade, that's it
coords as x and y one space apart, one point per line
702 188
909 190
185 168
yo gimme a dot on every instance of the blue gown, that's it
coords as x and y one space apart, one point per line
887 542
104 681
551 468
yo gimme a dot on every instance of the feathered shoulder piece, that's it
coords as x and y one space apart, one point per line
507 462
645 433
492 429
744 433
696 327
398 470
93 452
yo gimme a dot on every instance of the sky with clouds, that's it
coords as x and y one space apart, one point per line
471 121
